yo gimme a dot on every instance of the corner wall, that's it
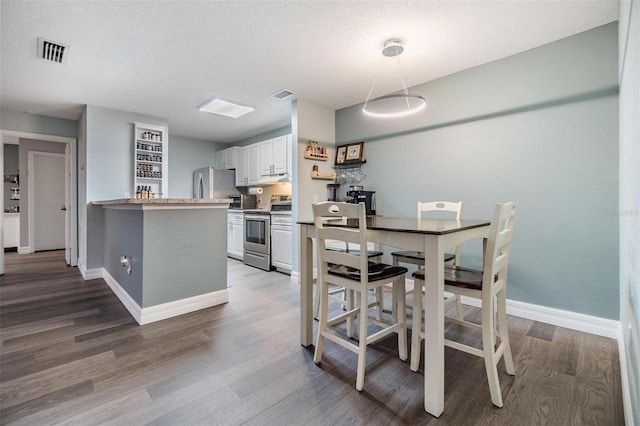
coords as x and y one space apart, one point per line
629 209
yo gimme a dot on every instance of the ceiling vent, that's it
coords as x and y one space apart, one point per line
52 51
282 94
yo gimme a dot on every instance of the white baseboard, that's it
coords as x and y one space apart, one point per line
89 274
567 319
25 250
164 310
624 377
132 306
183 306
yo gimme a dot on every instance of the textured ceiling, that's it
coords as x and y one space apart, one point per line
165 58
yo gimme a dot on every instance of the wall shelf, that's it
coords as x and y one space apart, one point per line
350 165
313 156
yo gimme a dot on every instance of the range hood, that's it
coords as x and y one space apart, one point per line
273 179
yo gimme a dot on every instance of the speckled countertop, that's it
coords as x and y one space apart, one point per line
149 201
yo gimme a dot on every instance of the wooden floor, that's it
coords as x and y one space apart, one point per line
71 354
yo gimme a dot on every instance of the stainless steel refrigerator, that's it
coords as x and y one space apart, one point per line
213 183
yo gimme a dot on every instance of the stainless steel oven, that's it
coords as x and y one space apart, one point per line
257 239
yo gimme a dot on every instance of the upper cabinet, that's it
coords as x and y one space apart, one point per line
275 156
259 162
242 166
227 158
150 160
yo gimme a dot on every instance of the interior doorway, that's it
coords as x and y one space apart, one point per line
71 188
47 204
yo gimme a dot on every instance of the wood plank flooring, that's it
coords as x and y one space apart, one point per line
71 354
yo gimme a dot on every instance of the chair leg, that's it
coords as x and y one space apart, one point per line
459 307
504 332
401 309
349 303
322 326
362 340
316 300
379 303
490 359
416 324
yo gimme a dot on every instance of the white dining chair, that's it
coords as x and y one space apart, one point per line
488 285
417 258
355 273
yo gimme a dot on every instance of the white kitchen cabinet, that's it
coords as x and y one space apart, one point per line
282 242
11 230
235 234
266 157
227 158
275 156
254 152
150 163
242 167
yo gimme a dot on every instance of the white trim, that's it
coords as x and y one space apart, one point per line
132 306
567 319
184 306
25 250
164 310
14 135
624 378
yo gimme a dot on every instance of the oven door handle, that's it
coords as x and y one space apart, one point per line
258 217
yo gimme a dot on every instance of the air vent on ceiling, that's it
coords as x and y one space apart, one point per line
282 94
52 51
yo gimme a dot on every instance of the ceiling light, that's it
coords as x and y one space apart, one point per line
396 104
227 109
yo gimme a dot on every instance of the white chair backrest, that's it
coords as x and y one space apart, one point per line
498 248
441 206
326 215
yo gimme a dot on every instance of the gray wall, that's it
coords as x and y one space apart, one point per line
261 137
175 254
26 146
106 149
629 211
33 123
185 254
186 155
539 128
123 236
10 168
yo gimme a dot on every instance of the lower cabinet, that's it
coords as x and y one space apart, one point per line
11 230
282 243
235 235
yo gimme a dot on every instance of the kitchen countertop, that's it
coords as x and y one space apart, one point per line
160 201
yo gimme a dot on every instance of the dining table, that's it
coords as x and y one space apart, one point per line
432 237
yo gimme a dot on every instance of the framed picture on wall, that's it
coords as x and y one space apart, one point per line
354 152
341 154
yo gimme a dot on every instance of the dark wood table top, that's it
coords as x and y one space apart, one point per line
412 225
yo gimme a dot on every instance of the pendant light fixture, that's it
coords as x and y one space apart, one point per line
395 104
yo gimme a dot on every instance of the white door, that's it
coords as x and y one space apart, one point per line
48 197
67 203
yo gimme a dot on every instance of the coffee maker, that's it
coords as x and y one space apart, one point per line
333 191
357 194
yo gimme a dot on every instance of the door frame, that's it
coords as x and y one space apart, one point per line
32 210
71 180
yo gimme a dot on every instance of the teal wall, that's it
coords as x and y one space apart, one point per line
539 128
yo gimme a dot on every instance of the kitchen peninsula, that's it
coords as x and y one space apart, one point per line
167 256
